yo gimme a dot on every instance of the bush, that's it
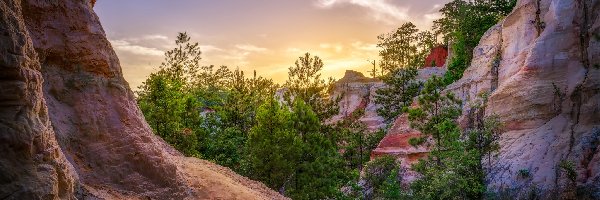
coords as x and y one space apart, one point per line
377 170
524 173
569 168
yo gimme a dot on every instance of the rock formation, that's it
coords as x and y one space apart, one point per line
71 125
396 143
540 66
437 57
32 165
358 92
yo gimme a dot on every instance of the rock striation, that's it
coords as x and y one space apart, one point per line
541 69
71 126
358 92
32 165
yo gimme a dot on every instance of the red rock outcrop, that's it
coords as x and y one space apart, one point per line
437 56
92 141
396 143
541 66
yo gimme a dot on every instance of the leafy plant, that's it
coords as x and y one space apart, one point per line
416 141
569 168
524 173
401 88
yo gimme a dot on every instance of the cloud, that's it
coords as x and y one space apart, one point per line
294 50
432 16
147 38
209 48
250 48
155 37
381 10
123 45
358 45
337 47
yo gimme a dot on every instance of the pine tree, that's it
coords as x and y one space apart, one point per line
401 88
165 100
304 82
433 108
452 161
273 147
390 189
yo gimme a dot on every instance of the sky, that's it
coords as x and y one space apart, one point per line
263 35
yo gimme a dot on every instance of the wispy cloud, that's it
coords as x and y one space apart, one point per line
250 48
432 16
155 37
358 45
381 10
337 47
122 45
209 48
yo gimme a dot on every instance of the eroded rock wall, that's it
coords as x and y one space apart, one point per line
359 92
103 147
32 165
540 66
93 112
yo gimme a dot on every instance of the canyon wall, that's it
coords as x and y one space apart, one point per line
32 165
71 125
541 69
358 92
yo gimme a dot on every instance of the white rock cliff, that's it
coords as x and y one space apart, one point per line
541 67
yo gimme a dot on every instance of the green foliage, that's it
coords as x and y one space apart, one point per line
304 82
401 88
378 170
484 136
453 169
451 172
405 47
288 152
569 168
417 141
202 111
165 101
226 147
391 187
273 148
355 141
524 173
459 62
434 108
462 25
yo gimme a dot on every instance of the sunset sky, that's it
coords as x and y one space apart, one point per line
262 35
